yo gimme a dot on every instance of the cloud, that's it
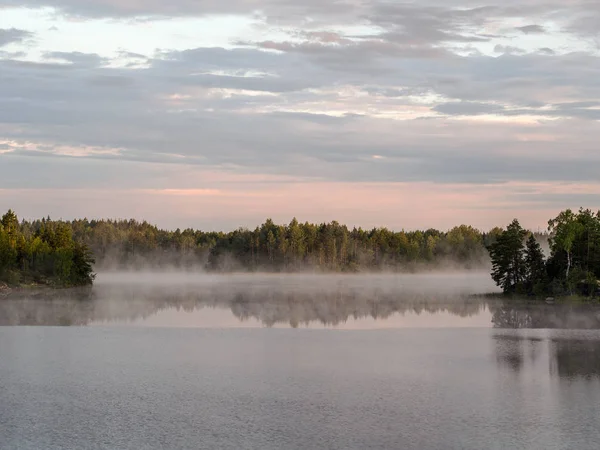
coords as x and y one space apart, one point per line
531 29
509 50
468 108
13 35
180 8
77 58
442 93
546 51
312 122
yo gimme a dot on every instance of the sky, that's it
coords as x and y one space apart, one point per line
218 114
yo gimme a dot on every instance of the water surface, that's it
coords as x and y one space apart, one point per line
301 364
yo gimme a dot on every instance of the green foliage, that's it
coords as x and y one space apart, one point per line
269 247
334 247
82 270
63 253
536 277
509 269
42 254
572 268
575 250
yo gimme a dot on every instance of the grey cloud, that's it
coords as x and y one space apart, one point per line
508 49
112 80
531 29
468 108
162 114
427 19
587 21
11 55
178 8
426 25
131 55
582 110
353 53
78 58
515 79
46 171
479 161
578 105
546 51
409 30
13 35
326 37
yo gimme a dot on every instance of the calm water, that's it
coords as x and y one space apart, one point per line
300 364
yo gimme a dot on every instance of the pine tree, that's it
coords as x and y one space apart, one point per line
535 267
507 254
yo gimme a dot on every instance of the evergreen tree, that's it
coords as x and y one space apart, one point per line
507 255
83 261
535 267
10 222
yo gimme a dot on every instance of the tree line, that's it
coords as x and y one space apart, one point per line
42 253
573 266
297 246
62 252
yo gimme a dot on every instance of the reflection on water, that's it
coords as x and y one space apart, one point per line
575 357
294 301
345 302
511 314
567 354
516 352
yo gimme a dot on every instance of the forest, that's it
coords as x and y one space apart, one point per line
328 247
44 253
62 253
563 260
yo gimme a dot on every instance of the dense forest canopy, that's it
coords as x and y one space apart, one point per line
45 253
331 247
62 252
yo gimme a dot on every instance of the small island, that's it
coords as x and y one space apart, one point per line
570 272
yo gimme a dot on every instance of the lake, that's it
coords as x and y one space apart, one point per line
178 361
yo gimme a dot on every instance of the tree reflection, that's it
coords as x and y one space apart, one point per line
570 354
514 351
575 358
508 314
268 304
272 304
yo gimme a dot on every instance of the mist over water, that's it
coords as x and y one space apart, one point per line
374 301
257 300
454 282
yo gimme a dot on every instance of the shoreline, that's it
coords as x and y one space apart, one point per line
572 299
34 290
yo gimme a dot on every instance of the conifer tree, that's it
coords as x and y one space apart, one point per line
507 255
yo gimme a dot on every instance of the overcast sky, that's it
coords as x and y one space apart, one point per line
216 114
